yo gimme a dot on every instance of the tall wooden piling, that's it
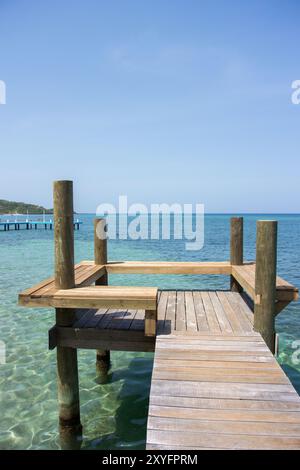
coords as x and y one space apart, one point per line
67 368
100 254
265 281
236 248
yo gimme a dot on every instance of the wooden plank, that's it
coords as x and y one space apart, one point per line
180 312
195 355
221 414
210 313
214 440
226 347
96 338
168 267
171 311
117 320
91 275
200 312
220 313
220 376
106 319
126 321
232 314
245 275
220 391
85 315
161 311
49 288
256 366
198 335
84 275
191 320
225 427
99 297
138 322
221 404
245 315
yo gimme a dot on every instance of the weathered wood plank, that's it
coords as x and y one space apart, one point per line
223 404
168 267
219 427
200 312
210 313
223 441
191 320
220 391
181 324
223 414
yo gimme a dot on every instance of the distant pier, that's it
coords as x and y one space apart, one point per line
32 224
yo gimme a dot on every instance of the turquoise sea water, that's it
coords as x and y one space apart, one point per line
114 414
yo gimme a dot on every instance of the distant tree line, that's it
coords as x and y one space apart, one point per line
12 207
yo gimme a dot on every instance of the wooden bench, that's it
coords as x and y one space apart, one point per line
245 276
86 296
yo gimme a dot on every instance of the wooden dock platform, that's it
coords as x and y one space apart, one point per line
31 224
215 382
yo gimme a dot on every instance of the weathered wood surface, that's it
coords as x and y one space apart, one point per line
184 312
168 267
87 272
220 391
245 275
85 275
67 367
98 297
215 383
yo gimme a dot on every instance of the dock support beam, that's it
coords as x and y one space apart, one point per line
100 254
265 281
236 248
67 368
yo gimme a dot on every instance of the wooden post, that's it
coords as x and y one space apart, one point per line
236 248
67 368
100 254
265 281
150 322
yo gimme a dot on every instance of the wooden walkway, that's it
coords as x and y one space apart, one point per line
215 383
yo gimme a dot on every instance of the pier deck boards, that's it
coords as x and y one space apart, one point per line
215 383
182 312
220 392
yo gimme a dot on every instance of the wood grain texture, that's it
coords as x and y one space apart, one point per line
236 248
265 281
217 393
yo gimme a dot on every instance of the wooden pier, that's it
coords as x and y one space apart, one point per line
215 382
30 225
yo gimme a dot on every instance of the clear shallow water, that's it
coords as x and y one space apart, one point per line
114 414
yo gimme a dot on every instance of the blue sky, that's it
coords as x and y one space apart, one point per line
164 101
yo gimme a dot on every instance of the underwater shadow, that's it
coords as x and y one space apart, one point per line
130 419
